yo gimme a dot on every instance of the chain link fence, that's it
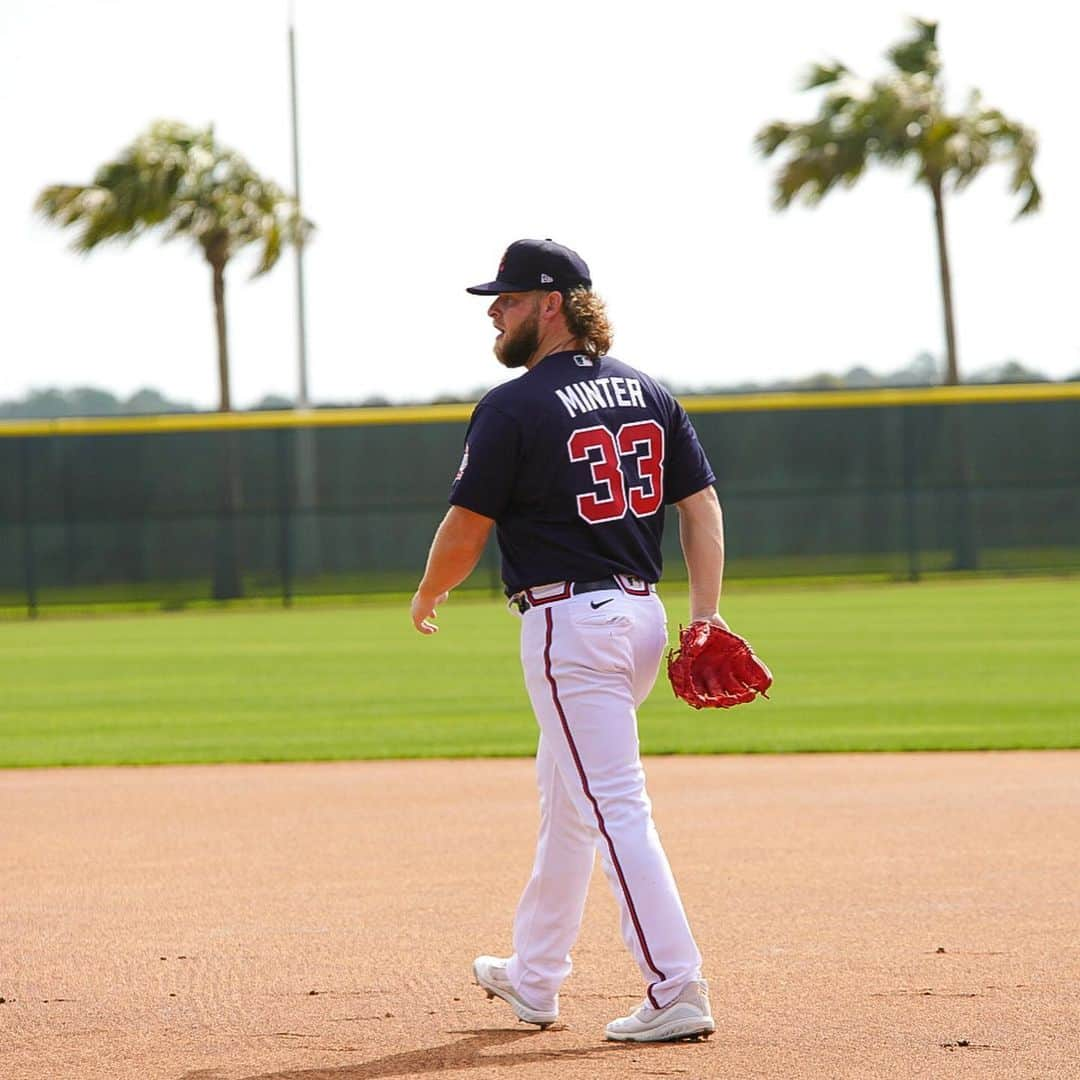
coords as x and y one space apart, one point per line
175 511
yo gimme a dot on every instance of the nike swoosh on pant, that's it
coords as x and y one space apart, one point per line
600 603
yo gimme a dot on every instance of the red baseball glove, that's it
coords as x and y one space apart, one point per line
714 668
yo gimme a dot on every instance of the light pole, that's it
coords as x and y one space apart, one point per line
305 553
302 399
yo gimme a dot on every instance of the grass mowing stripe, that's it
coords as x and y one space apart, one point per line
973 665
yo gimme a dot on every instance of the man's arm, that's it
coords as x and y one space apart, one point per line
701 533
455 551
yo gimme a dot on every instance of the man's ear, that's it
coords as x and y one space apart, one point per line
551 305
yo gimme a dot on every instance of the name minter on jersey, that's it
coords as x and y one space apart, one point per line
606 393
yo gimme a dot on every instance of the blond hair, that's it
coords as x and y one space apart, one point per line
587 320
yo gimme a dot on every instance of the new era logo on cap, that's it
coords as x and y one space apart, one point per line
528 262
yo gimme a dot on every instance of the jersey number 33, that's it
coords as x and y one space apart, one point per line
612 493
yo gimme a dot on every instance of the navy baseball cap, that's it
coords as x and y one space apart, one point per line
536 264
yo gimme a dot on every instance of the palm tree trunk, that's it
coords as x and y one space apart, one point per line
952 369
965 543
225 397
228 577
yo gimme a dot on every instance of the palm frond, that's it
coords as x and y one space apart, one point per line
823 75
771 137
90 209
896 119
980 137
919 53
180 179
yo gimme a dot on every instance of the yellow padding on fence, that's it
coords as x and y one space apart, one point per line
440 414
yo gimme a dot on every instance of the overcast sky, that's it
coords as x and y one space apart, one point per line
434 133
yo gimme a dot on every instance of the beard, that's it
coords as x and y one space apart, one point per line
517 349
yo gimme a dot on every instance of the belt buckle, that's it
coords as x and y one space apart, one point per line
632 585
549 593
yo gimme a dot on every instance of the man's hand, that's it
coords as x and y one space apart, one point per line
423 611
455 551
714 668
713 617
711 681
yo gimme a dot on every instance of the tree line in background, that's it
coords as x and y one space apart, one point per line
924 370
180 181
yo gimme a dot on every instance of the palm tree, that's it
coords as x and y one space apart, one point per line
181 180
897 119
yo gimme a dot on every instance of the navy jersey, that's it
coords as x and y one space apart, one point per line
575 460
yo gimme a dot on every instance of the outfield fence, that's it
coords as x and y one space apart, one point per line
176 510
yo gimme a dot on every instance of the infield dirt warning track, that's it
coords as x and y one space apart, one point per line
861 916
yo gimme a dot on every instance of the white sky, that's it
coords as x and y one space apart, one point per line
434 133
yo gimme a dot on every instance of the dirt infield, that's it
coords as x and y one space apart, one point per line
861 916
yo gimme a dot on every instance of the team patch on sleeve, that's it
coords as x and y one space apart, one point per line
464 464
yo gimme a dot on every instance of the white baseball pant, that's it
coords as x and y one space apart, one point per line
589 661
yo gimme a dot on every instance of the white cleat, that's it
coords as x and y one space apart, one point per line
490 974
687 1017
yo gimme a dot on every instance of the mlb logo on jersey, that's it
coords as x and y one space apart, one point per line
583 361
464 464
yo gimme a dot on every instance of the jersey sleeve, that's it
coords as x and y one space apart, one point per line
485 479
687 469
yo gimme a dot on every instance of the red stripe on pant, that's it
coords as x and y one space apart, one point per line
599 816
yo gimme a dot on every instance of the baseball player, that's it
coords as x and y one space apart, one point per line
574 462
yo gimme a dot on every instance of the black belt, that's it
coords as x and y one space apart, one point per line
522 601
599 585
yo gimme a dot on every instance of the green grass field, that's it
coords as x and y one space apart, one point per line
967 665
